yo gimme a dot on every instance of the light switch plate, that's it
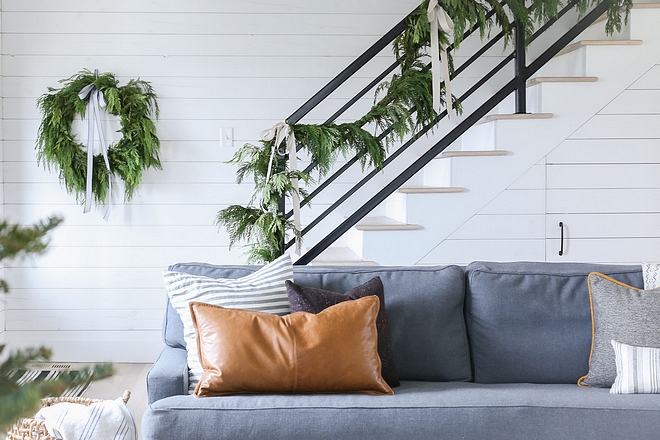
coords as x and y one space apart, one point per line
226 137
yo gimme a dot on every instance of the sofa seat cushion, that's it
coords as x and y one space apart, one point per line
417 410
531 322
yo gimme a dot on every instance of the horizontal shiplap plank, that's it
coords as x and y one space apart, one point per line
504 227
650 80
532 179
150 66
172 172
604 176
634 102
143 255
89 320
517 202
86 299
200 87
159 194
122 214
84 278
137 236
92 346
168 129
198 23
213 6
213 109
465 251
189 45
620 127
592 151
609 250
629 225
585 201
170 151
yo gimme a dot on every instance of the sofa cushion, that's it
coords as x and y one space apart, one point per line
416 411
262 290
621 313
243 351
424 308
312 300
531 322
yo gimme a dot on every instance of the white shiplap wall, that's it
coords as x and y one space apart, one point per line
603 183
2 270
97 295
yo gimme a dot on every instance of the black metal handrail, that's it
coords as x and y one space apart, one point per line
517 83
328 180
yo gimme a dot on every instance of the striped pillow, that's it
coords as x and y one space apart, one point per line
637 369
262 291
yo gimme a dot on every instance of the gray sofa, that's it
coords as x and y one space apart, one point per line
490 351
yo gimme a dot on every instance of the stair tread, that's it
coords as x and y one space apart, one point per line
583 43
513 116
382 223
472 153
561 79
431 189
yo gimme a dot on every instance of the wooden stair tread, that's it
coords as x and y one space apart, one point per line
382 223
472 153
584 43
513 116
560 79
431 189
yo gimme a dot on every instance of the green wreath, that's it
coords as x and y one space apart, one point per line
138 149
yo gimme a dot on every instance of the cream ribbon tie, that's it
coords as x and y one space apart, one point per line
279 132
93 115
440 20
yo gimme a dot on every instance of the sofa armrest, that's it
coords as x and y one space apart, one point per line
169 375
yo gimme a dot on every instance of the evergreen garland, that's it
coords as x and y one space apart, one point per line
134 103
403 105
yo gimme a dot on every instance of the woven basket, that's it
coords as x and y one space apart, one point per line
31 429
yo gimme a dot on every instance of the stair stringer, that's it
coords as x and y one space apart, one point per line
529 141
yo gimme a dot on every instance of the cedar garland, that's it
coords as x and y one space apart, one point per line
406 106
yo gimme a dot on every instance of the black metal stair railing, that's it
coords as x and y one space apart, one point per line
516 85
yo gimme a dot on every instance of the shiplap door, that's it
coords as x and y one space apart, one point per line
604 182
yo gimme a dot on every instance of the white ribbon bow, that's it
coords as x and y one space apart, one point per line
93 115
439 20
279 132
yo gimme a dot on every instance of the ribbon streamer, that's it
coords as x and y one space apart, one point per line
279 132
93 115
440 20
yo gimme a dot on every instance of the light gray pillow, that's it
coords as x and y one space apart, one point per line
637 369
263 291
622 313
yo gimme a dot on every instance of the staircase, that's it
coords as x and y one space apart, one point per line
412 224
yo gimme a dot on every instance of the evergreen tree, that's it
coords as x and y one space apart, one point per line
22 400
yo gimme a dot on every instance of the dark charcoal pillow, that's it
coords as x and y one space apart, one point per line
312 300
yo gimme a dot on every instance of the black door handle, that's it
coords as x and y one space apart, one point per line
561 240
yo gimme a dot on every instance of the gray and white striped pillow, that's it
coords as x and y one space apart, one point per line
637 369
263 291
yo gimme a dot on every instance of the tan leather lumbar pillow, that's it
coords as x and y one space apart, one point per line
244 351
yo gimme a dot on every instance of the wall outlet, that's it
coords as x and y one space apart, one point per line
227 137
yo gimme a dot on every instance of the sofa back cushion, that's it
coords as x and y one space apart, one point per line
531 322
424 309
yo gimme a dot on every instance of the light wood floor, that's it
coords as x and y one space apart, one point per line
130 377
